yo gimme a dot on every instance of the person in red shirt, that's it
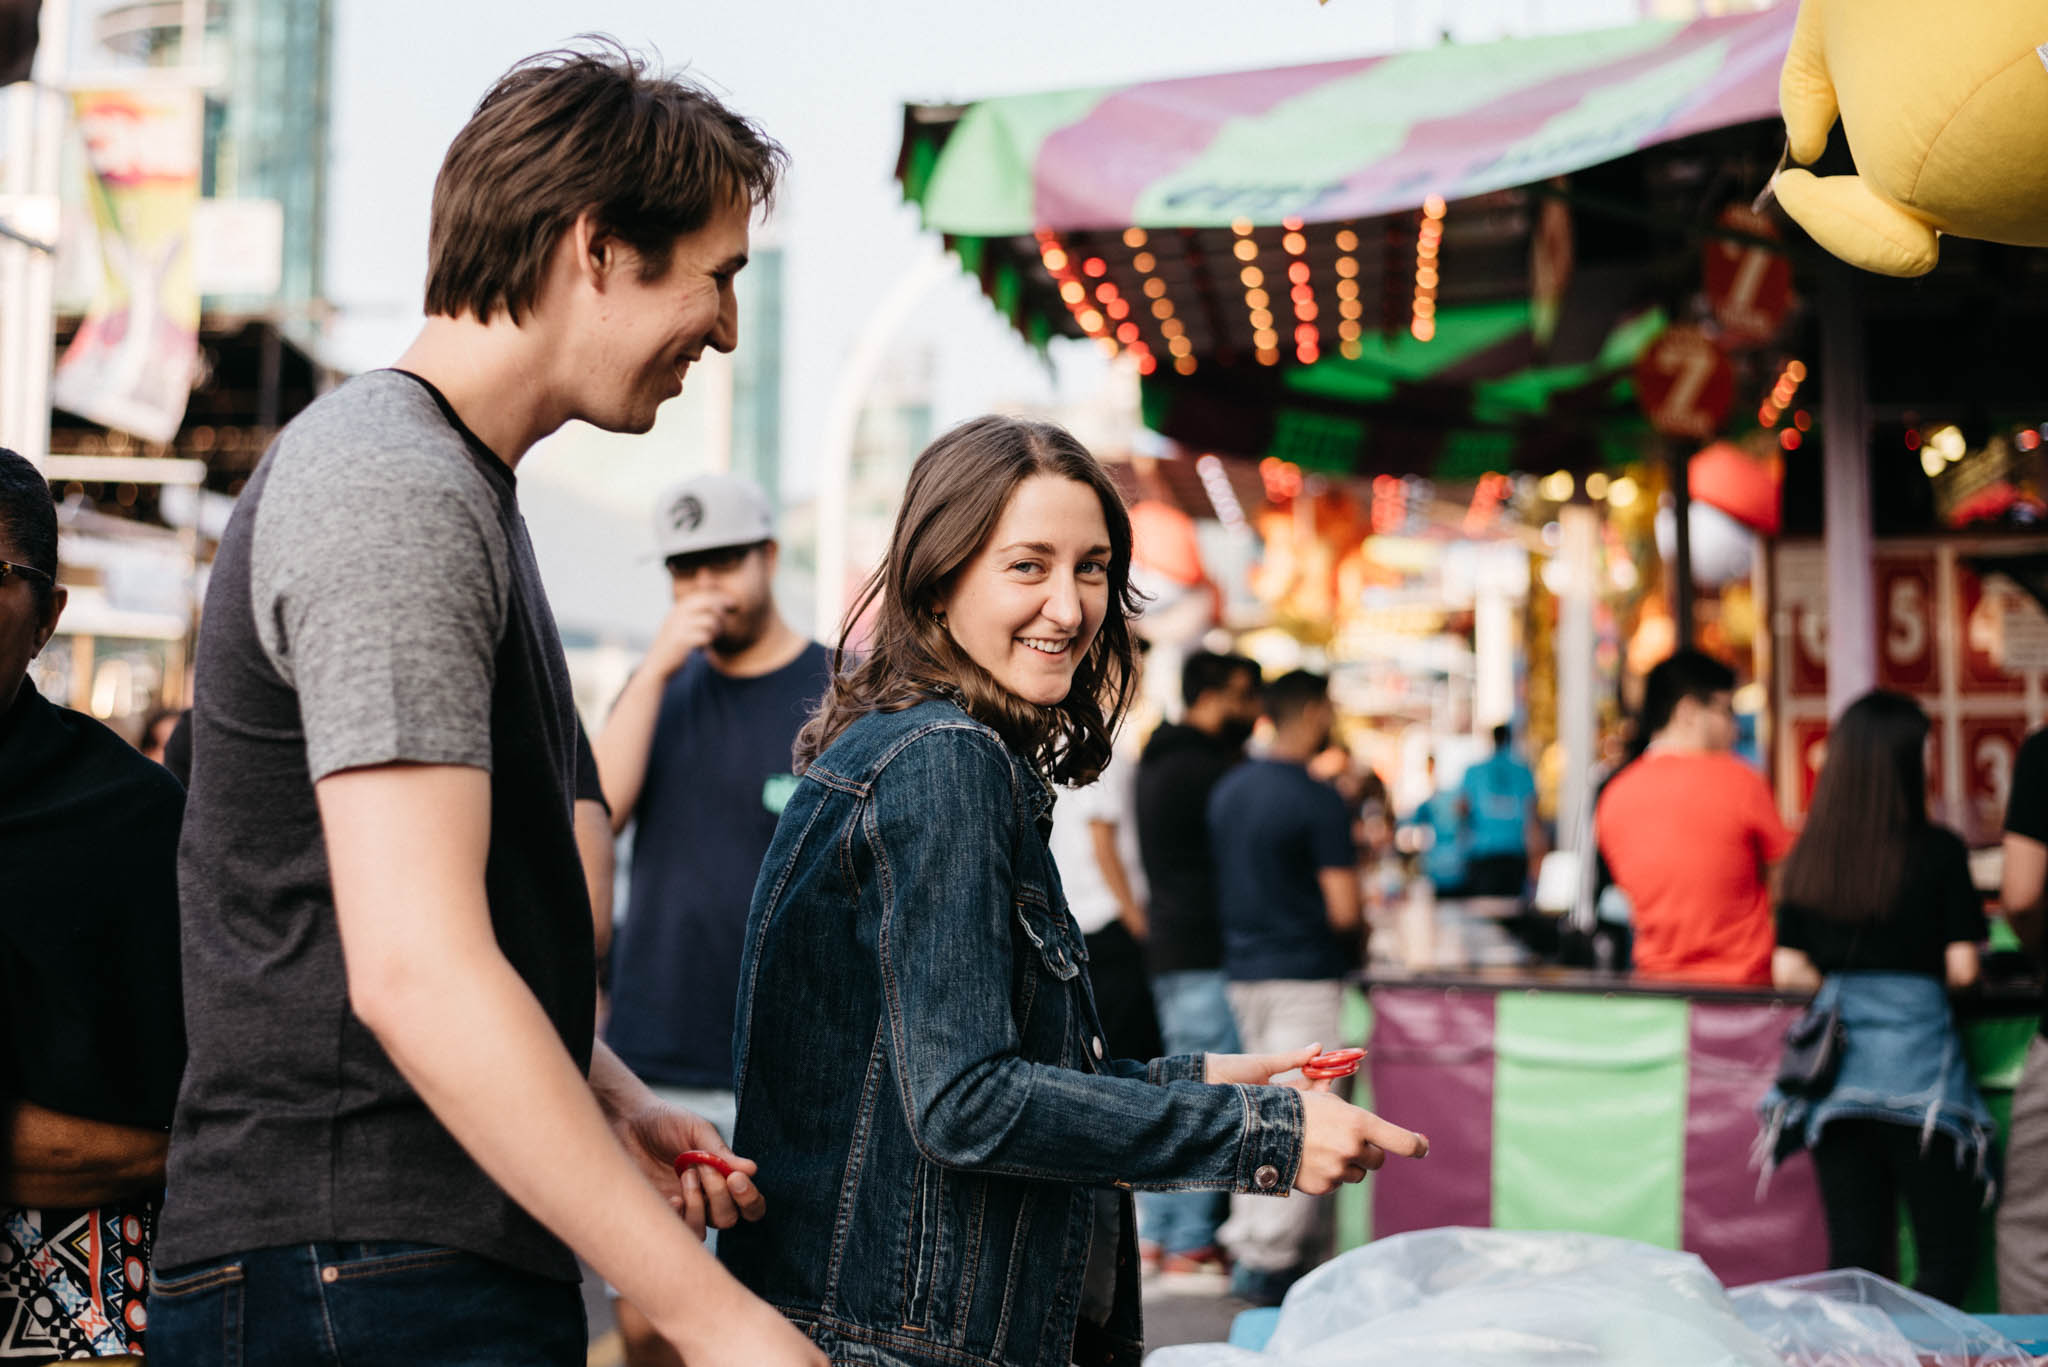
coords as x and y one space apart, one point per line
1690 832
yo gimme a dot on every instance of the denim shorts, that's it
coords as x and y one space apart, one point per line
360 1305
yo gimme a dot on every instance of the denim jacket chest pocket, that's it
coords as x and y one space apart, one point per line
1054 1008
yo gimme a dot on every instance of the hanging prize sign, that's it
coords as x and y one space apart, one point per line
1684 383
1749 285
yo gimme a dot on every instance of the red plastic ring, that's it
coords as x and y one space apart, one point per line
699 1158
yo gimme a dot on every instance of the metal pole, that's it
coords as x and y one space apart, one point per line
1678 459
1577 707
1845 413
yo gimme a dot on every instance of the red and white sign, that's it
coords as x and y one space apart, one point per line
1908 657
1748 285
1810 752
1986 610
1990 745
1685 384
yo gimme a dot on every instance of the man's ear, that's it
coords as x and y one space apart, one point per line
594 252
58 598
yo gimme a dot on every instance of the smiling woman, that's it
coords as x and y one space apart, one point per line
945 1144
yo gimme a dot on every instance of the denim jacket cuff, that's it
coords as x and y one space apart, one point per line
1269 1157
1177 1068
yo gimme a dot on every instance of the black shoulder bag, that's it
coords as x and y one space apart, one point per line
1814 1044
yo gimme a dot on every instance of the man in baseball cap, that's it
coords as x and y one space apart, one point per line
697 753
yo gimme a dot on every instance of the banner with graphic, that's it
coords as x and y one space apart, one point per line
132 363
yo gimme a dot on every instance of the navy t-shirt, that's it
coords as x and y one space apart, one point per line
718 776
1272 830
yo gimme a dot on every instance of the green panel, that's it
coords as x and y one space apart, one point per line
1317 441
970 250
1998 1050
1589 1098
983 183
1461 333
1354 1203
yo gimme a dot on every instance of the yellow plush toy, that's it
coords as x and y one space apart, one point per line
1945 103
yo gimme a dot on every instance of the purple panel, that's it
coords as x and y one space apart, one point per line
1448 155
1743 1239
1432 1071
1090 173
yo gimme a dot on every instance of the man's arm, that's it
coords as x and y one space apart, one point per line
594 847
627 739
1341 899
2026 873
406 846
57 1161
1111 861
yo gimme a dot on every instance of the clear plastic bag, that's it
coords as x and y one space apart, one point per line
1850 1318
1502 1298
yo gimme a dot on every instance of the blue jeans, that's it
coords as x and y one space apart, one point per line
1194 1018
362 1305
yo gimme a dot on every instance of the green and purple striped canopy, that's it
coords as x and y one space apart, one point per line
1338 140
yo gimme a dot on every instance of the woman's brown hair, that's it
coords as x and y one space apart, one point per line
956 494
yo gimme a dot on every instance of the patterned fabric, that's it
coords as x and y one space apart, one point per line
73 1282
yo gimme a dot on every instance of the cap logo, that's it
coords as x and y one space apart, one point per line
687 514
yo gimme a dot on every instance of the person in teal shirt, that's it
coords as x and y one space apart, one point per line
1499 799
1442 815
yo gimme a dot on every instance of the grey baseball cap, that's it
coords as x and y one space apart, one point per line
709 513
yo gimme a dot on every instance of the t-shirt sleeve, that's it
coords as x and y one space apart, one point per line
1330 832
1795 925
380 591
2026 810
1773 841
1962 906
588 787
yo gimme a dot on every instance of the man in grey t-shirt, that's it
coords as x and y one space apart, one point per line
394 1124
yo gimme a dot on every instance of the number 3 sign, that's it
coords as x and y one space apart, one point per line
1684 383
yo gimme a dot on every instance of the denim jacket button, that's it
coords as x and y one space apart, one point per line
1097 1046
1267 1177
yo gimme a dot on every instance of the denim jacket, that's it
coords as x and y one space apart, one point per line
921 1073
1903 1063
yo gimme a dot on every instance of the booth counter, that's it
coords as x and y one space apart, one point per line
1569 1100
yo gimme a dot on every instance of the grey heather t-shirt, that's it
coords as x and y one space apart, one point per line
375 600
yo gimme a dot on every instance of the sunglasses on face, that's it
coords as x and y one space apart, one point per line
28 572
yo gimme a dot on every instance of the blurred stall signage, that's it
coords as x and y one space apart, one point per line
1906 659
1684 383
1990 745
1749 285
132 362
2004 634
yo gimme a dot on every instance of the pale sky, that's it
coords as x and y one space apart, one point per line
828 79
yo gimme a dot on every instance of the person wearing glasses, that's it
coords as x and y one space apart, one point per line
1691 832
696 754
91 1028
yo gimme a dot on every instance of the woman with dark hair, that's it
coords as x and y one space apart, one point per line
945 1146
1877 911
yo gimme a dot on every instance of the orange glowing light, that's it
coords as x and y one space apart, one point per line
1347 241
1257 299
1268 356
1090 320
1162 308
1146 364
1155 288
1422 329
1252 277
1245 250
1117 308
1073 291
1185 365
1305 335
1796 372
1307 355
1347 267
1127 333
1426 277
1305 310
1433 207
1789 439
1144 263
1134 237
1295 244
1106 291
1291 223
1803 420
1301 294
1297 272
1352 349
1241 226
1425 308
1055 260
1095 267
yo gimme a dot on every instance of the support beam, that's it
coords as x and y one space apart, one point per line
1678 461
1845 523
1577 705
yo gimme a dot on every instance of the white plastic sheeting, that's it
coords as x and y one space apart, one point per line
1501 1298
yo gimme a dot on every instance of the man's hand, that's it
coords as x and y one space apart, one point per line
693 623
655 1134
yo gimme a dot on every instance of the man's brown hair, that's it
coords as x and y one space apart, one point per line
651 156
